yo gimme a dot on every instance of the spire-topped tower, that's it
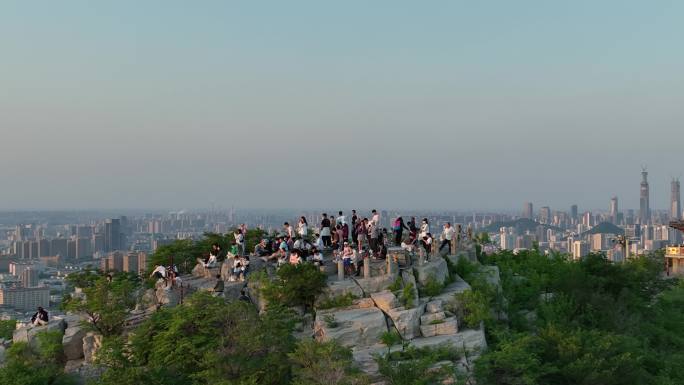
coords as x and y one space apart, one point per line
644 209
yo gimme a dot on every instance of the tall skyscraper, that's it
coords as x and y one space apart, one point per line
614 210
644 209
112 235
675 202
573 212
528 210
545 215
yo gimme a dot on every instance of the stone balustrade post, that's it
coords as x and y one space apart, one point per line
340 270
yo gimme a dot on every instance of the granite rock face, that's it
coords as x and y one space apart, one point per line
436 268
28 333
407 321
352 328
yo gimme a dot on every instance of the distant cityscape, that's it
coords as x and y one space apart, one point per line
39 249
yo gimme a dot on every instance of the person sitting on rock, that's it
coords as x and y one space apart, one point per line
219 286
239 271
159 272
261 249
295 258
40 318
316 257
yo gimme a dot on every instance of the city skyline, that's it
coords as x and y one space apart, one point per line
390 104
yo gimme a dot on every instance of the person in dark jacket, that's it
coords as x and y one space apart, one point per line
398 229
219 287
40 318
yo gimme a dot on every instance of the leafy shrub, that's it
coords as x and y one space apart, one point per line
322 363
396 285
7 328
338 301
407 296
432 287
330 321
295 285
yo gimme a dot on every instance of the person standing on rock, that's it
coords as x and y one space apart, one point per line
302 228
325 230
40 318
447 235
398 229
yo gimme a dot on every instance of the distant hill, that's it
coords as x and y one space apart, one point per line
522 224
605 228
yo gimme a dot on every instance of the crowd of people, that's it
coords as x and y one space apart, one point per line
348 239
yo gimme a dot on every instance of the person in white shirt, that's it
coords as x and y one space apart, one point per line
302 228
427 244
447 235
376 217
424 228
341 219
159 272
239 241
287 229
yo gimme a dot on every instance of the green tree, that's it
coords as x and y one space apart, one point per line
7 328
204 341
42 365
106 303
323 363
295 285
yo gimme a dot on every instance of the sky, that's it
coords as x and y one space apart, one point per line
300 104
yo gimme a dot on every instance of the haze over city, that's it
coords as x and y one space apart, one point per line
304 104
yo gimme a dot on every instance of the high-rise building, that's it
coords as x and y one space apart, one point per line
112 235
58 246
614 210
43 248
644 209
83 249
545 215
71 249
528 210
25 299
675 202
29 278
579 249
98 242
573 213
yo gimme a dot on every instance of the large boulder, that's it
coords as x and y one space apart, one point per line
72 341
385 300
353 327
448 295
447 326
472 340
165 295
436 268
28 333
491 275
92 342
407 321
374 284
338 289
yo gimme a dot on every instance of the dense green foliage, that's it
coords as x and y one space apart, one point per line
205 341
294 285
184 253
107 301
338 301
42 365
585 322
315 363
7 328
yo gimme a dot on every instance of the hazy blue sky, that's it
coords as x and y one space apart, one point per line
426 104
